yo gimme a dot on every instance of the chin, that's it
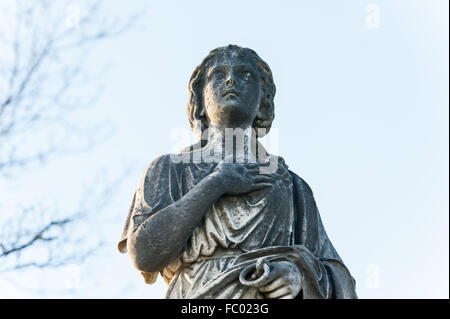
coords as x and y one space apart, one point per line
231 105
235 111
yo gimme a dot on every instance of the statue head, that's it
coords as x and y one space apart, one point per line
232 87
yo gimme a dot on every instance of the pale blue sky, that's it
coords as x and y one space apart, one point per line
361 115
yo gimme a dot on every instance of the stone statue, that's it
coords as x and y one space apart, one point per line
225 219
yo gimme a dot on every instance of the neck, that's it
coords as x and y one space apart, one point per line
241 142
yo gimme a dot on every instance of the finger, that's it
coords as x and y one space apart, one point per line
278 293
257 169
277 283
259 172
253 171
263 178
252 165
260 186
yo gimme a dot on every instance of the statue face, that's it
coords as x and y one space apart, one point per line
231 94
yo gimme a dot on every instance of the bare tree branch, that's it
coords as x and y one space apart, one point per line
38 235
59 237
44 78
46 68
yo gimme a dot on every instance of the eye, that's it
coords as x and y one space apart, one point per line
218 74
246 75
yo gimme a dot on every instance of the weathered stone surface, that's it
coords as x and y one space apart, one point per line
225 219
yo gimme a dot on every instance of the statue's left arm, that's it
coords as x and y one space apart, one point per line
325 275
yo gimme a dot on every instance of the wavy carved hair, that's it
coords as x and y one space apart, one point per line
195 108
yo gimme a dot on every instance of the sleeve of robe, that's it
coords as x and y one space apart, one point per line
324 272
157 189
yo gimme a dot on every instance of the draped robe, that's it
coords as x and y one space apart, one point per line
278 223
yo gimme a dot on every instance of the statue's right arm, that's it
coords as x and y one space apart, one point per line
161 238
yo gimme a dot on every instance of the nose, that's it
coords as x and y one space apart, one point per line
230 79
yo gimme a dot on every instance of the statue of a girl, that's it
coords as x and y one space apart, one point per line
219 226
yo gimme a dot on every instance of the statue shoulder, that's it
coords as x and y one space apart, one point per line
162 163
301 185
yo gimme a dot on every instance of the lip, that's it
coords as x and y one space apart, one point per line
229 91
